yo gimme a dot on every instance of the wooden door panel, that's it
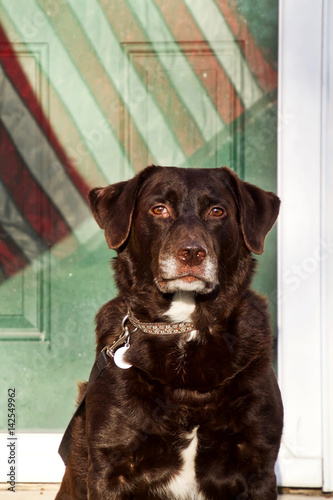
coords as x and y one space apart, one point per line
22 315
193 95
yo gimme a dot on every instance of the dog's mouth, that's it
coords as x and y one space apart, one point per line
188 278
184 282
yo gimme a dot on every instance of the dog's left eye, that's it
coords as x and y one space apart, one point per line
160 210
217 212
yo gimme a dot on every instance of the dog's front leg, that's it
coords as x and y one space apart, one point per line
110 475
107 488
263 487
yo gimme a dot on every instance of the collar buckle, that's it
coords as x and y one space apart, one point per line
124 338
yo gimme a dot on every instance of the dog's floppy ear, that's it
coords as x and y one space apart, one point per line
258 210
113 208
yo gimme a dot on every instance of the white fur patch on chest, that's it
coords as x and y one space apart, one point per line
182 307
183 486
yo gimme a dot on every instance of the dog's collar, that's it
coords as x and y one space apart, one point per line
160 328
116 351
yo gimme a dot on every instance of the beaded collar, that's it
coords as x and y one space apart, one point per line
161 328
120 346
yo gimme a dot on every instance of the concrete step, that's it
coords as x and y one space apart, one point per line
49 491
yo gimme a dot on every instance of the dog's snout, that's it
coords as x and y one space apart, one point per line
191 253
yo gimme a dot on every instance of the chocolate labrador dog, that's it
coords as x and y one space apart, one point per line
187 405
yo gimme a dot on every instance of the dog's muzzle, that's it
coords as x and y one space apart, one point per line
190 268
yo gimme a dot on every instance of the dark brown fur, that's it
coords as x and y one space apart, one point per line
137 421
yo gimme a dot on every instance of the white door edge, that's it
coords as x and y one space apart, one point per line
33 456
327 264
305 268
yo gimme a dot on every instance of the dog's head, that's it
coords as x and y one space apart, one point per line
184 229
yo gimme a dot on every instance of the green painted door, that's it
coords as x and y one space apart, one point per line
91 92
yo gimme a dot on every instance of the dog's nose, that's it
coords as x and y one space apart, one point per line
191 253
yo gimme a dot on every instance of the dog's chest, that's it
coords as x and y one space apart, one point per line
182 307
183 486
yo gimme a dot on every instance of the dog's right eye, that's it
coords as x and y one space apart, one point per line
160 210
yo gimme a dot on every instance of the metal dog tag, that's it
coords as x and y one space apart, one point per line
119 357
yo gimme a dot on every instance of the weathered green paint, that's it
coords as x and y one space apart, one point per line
44 373
53 304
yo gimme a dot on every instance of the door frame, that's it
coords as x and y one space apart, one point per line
327 224
305 267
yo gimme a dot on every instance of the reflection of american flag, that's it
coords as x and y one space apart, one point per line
97 109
